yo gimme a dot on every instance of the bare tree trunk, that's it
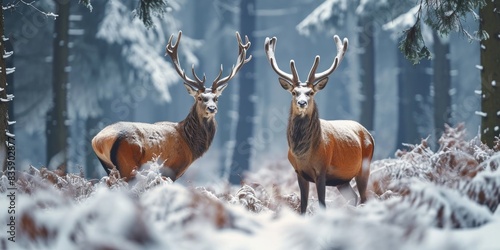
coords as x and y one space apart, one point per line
225 120
4 107
490 73
413 91
442 84
57 130
246 108
367 73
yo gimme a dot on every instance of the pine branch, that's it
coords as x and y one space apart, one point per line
412 43
444 17
149 8
86 3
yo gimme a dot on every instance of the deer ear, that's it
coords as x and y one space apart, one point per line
191 90
285 84
320 84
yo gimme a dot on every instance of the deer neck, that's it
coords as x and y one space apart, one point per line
198 132
304 131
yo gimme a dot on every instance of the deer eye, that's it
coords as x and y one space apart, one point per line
294 93
215 99
199 98
310 93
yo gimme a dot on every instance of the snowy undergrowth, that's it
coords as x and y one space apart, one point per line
420 199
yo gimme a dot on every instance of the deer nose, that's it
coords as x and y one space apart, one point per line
302 103
212 108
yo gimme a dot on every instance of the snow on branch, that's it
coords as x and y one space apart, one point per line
8 99
7 54
47 14
10 70
442 16
149 8
325 17
143 48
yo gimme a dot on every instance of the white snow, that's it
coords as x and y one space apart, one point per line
478 92
498 113
7 54
76 32
9 98
402 22
75 17
496 128
483 47
419 200
9 134
10 70
317 19
480 67
493 83
140 46
483 114
11 122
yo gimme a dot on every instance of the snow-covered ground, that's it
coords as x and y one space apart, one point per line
420 199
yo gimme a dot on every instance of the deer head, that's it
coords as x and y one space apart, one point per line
303 92
206 98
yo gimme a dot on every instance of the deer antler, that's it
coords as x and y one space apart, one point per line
341 49
270 47
171 50
240 61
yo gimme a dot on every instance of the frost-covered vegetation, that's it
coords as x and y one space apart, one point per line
421 199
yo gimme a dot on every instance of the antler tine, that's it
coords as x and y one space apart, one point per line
240 61
201 82
270 47
220 74
311 78
171 50
295 75
341 49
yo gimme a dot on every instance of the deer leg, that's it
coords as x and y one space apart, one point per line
304 193
321 188
362 180
348 192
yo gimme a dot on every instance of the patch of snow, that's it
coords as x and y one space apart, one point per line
480 67
10 70
480 113
317 20
493 83
7 54
478 92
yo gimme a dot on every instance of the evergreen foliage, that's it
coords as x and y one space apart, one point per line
442 16
149 8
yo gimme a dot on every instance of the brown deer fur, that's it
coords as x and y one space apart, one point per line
126 146
128 152
328 153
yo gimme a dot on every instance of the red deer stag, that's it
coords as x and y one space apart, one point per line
329 153
128 145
